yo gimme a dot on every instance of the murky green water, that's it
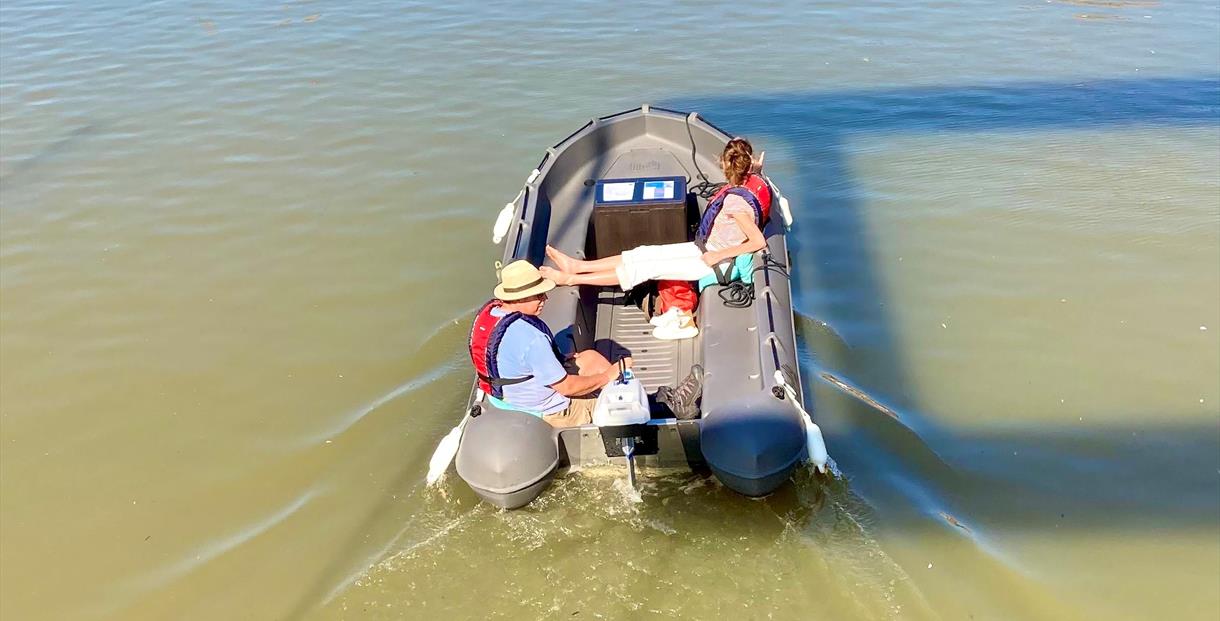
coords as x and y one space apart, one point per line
239 246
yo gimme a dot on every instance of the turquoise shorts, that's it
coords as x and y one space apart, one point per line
742 270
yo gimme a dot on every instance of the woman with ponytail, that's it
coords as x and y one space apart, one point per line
731 227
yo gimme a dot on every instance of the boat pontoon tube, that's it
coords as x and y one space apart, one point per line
515 458
752 444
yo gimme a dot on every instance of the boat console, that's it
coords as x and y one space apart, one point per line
637 212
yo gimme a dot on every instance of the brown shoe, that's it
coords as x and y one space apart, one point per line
683 399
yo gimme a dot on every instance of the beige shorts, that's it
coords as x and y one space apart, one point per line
668 262
578 412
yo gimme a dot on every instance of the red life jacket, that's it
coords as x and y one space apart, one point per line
485 337
754 191
759 188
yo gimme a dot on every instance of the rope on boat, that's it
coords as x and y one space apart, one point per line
705 189
738 294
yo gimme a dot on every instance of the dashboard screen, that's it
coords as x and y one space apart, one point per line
618 191
658 189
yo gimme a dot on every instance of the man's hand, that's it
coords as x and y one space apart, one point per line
612 372
711 258
756 167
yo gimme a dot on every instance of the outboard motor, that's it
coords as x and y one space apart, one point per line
622 412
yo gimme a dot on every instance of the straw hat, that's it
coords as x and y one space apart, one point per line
520 280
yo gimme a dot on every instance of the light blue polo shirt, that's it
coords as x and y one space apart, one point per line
526 351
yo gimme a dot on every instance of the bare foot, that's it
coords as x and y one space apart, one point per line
562 261
552 274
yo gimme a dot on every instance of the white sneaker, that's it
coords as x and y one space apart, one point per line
665 317
682 326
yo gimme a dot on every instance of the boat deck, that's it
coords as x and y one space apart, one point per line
623 330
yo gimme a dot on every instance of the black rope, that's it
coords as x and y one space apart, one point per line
706 188
769 262
738 294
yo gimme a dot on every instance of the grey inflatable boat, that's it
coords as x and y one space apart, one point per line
636 177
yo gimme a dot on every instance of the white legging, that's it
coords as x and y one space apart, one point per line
669 262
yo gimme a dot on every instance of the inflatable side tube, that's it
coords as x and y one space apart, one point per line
774 315
508 458
754 443
751 439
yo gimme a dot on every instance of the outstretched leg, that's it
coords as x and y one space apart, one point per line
564 262
602 279
572 265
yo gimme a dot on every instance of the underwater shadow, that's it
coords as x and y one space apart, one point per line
837 280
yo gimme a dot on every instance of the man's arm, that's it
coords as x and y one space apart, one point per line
577 385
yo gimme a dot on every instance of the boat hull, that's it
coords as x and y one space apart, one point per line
749 435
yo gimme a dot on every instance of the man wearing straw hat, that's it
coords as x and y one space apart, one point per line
518 365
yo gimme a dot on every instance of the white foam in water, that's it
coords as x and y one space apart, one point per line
627 492
662 527
831 468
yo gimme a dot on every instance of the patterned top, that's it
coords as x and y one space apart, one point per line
725 231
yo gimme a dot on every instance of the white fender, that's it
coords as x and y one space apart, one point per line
815 446
785 211
503 221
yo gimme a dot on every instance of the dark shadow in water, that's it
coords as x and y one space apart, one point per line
1156 475
830 240
65 144
1099 476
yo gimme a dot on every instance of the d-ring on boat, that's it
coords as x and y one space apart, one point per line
753 430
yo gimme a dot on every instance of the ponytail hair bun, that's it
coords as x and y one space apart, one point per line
736 160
